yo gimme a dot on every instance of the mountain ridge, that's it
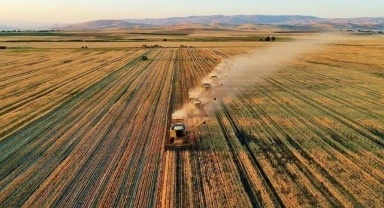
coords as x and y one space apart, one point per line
105 24
223 19
233 21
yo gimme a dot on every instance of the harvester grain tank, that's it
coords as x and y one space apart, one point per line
193 101
179 136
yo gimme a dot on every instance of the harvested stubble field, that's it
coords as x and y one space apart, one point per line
86 128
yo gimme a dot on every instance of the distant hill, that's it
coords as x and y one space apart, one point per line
370 23
221 19
294 22
361 20
104 24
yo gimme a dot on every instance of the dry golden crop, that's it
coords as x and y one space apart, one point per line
87 128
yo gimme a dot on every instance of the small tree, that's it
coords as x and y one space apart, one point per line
268 39
273 38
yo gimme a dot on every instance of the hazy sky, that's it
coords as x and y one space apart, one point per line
70 11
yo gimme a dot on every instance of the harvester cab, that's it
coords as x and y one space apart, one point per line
194 101
205 87
179 136
178 131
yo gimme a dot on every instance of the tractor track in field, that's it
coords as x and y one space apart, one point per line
338 81
289 153
86 128
255 199
41 94
47 90
339 145
187 166
344 102
74 101
355 86
245 141
332 113
46 66
124 195
301 150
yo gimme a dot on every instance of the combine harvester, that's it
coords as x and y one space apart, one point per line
205 86
197 104
179 136
214 78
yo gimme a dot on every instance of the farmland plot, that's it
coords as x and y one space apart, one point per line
315 128
31 84
91 133
98 142
310 134
199 178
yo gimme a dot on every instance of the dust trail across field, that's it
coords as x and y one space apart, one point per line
298 127
292 112
265 61
280 132
268 60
